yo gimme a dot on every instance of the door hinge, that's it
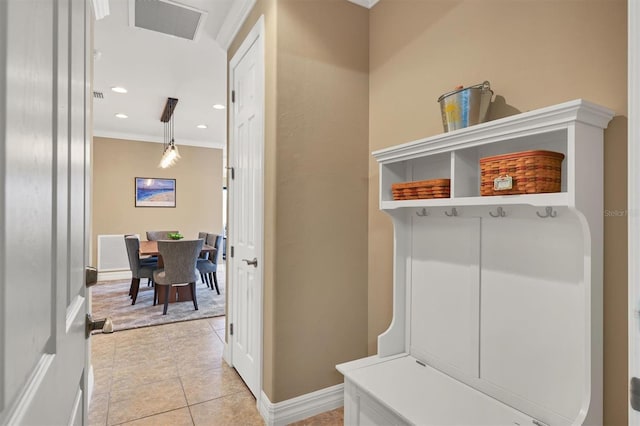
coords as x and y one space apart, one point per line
233 96
634 392
231 329
232 251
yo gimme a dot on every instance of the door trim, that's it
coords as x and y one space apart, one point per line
255 35
633 197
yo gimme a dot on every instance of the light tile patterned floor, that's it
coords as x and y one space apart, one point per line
173 374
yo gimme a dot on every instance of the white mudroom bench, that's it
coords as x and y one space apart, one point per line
497 300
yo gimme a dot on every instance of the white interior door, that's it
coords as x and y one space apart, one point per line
43 249
246 146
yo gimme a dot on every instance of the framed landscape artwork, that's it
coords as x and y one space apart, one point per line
155 192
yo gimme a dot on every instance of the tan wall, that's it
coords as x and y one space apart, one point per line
198 177
321 263
315 191
535 54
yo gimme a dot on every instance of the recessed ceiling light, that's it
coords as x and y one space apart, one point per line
121 115
219 106
119 89
201 126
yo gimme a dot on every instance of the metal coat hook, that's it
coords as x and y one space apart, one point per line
549 212
423 212
499 213
453 213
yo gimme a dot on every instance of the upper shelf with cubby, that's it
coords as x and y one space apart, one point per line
573 128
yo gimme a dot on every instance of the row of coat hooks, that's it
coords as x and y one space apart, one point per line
548 212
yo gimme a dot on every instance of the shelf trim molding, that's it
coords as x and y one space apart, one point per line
544 120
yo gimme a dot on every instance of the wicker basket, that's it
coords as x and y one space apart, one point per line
527 172
432 188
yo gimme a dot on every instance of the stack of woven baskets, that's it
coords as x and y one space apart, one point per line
432 188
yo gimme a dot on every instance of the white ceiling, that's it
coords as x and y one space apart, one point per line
152 67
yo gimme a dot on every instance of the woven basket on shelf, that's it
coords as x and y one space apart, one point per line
432 188
531 172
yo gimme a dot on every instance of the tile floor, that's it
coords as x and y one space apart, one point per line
173 374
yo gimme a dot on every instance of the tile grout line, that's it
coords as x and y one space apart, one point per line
184 393
216 398
150 415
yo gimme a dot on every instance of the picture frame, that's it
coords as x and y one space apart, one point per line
155 192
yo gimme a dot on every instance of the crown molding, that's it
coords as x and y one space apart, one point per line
232 23
154 139
365 3
100 8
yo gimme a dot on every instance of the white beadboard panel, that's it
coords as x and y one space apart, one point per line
112 253
534 309
445 290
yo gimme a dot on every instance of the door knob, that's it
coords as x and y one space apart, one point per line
104 324
90 276
253 262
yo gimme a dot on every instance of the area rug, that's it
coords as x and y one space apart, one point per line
111 299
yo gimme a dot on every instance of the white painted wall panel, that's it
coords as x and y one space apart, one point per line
445 282
112 253
533 310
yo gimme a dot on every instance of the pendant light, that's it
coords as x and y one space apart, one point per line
170 153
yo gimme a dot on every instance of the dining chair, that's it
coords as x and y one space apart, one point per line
179 267
159 235
203 236
209 267
204 254
138 269
145 260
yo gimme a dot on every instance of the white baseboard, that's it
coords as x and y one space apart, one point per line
114 275
301 407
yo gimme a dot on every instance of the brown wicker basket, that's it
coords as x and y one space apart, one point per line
432 188
530 172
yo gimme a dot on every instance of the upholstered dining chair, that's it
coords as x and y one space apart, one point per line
203 236
208 267
144 260
138 269
159 235
179 267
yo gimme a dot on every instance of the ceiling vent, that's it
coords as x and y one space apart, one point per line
167 17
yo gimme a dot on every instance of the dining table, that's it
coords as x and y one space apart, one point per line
179 293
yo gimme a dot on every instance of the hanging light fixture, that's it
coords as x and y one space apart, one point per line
170 153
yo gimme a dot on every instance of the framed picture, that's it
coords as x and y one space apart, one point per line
155 192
